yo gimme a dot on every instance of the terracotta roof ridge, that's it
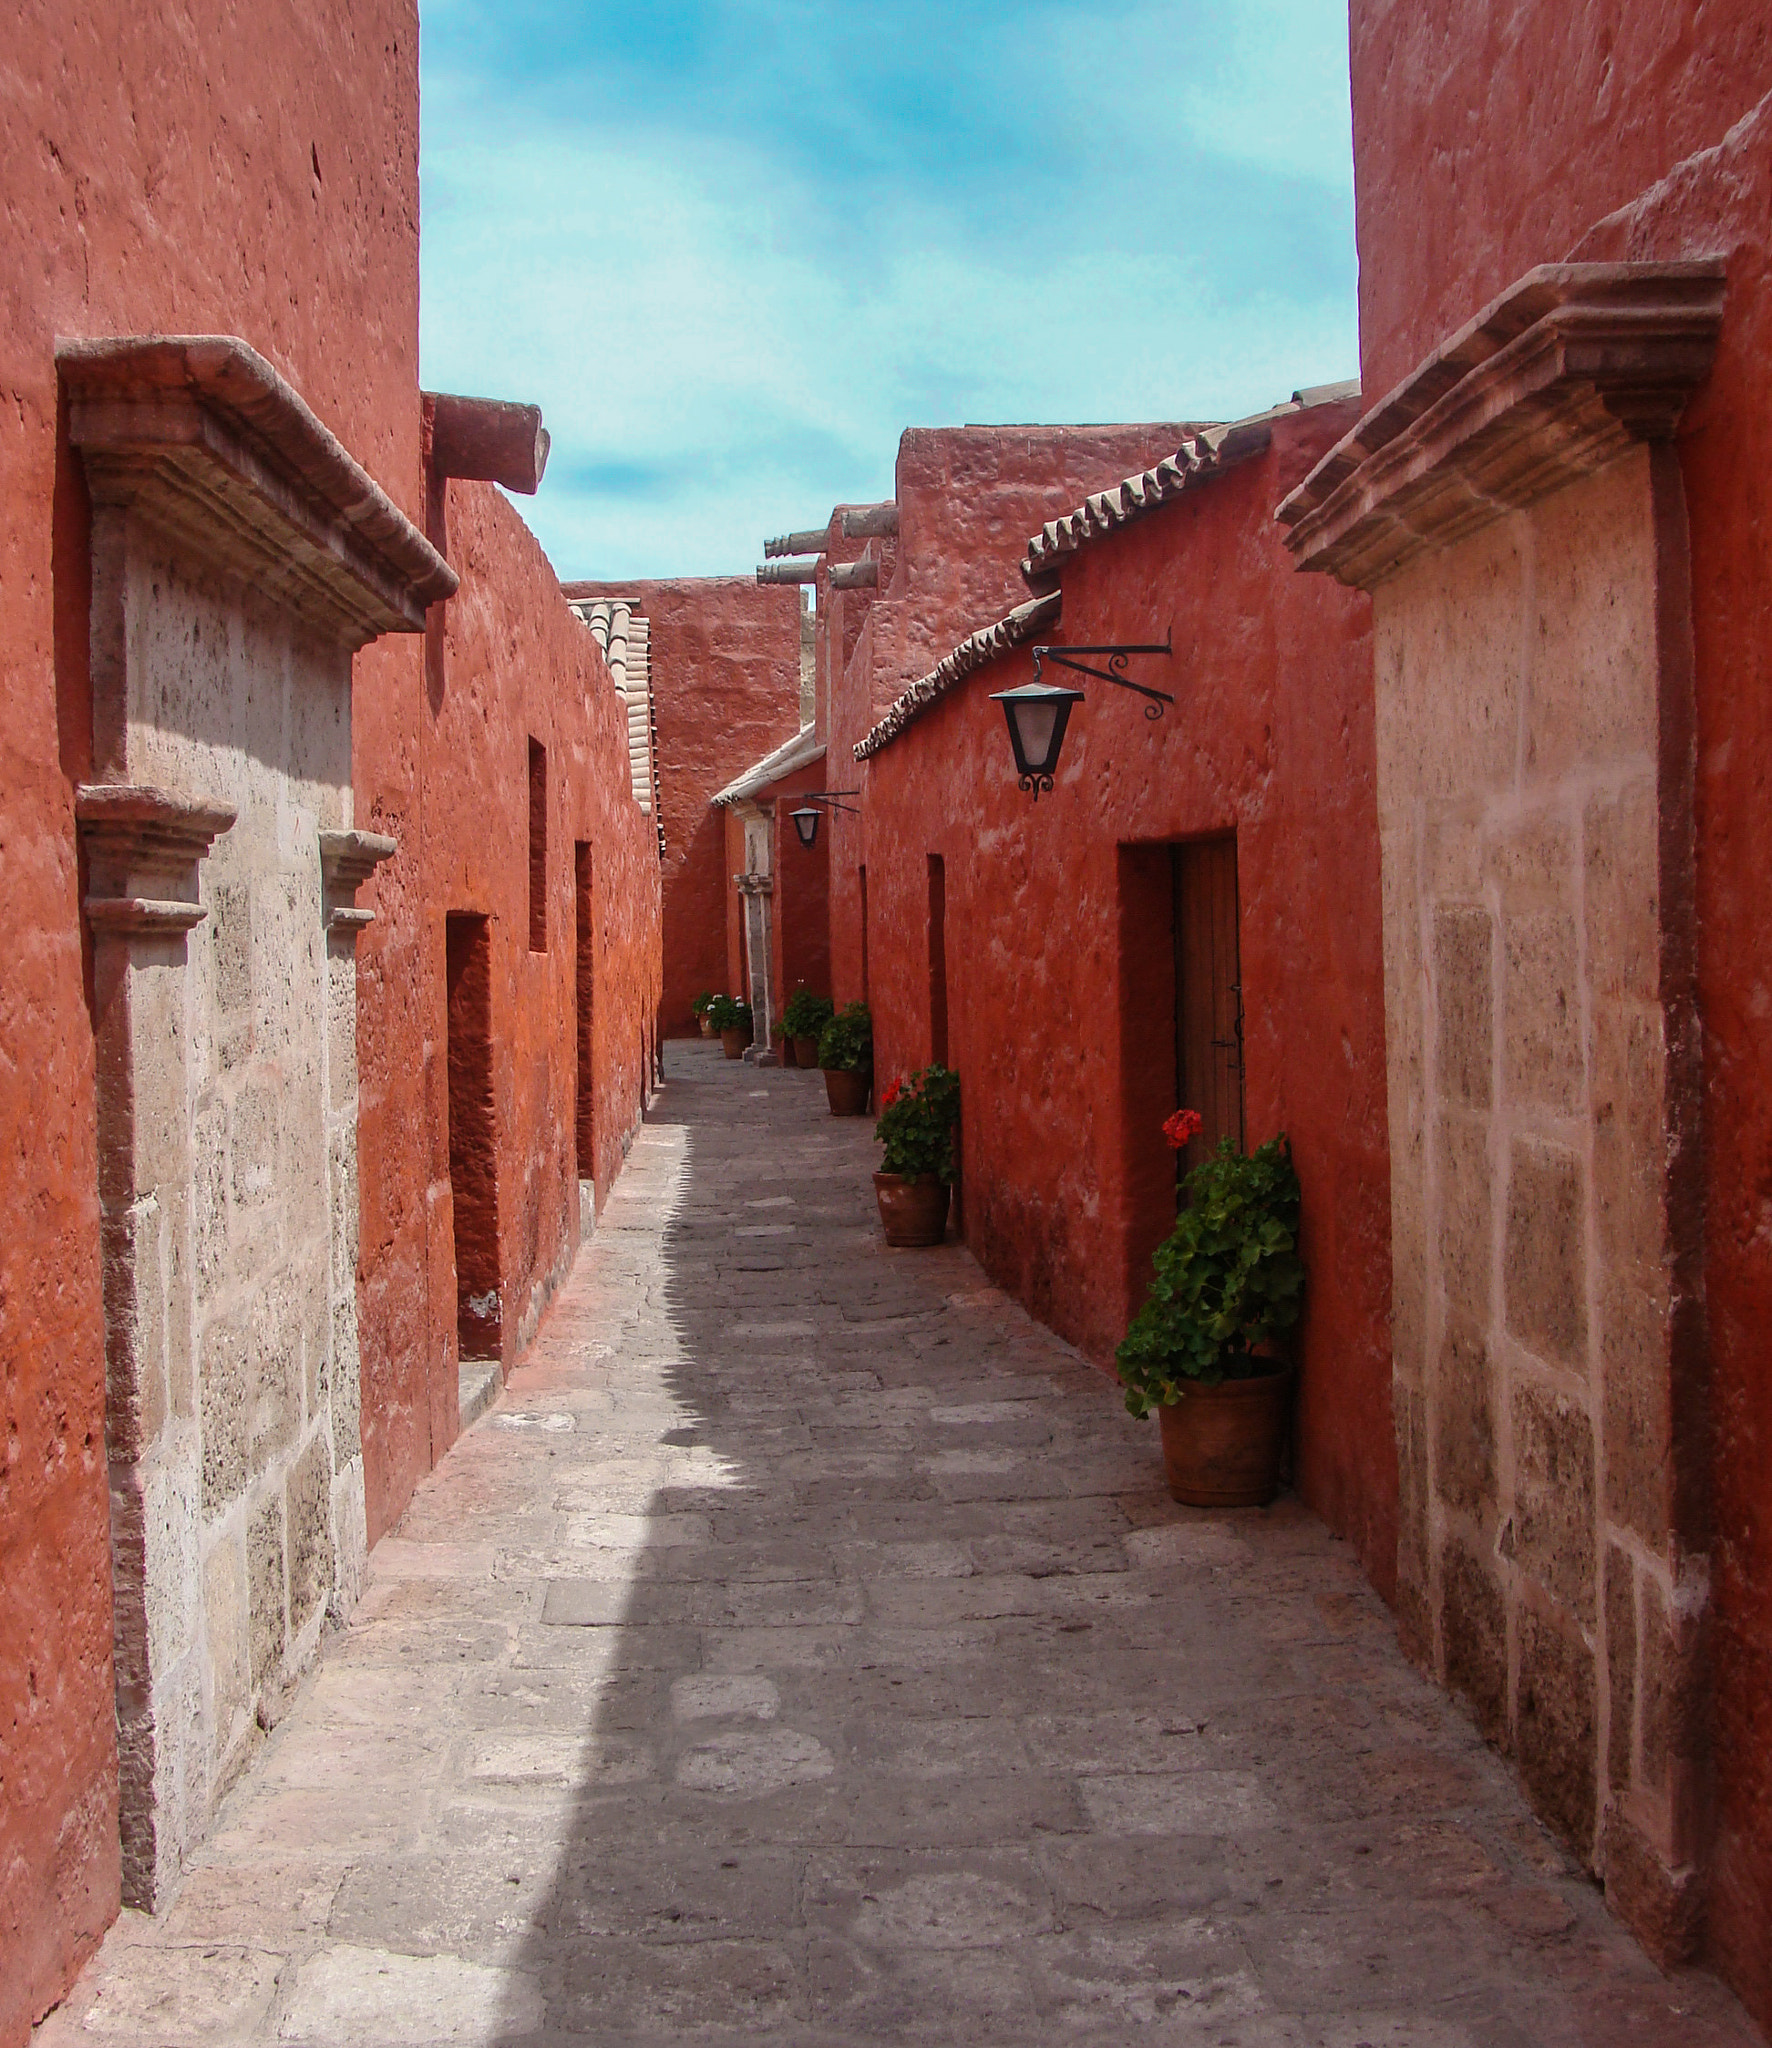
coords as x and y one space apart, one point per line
1013 629
800 752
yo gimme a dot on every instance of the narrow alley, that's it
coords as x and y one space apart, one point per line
805 1648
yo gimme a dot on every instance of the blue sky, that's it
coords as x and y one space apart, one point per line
733 250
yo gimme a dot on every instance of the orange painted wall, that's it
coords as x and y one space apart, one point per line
446 770
968 498
164 172
726 683
1271 737
1651 136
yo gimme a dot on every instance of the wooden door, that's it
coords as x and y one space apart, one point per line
1208 993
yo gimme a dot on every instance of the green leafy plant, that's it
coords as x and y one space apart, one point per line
806 1014
917 1119
846 1044
1229 1282
727 1014
703 1003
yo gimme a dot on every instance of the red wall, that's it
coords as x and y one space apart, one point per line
968 500
160 176
1490 134
1651 136
726 684
448 774
1272 737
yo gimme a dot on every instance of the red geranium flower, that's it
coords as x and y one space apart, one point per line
1182 1127
892 1093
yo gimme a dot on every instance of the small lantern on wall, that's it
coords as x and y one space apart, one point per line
806 817
1038 712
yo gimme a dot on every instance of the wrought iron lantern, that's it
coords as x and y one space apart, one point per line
1038 712
806 817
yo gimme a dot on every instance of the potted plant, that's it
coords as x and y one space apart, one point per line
699 1011
1206 1350
732 1019
846 1053
803 1021
785 1045
916 1177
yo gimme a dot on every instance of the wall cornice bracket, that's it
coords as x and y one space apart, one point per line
1555 379
348 859
204 437
142 850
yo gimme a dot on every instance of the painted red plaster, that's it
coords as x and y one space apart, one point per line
968 498
1272 738
448 774
164 172
1651 138
726 684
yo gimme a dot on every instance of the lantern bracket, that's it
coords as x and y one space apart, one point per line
1115 672
828 797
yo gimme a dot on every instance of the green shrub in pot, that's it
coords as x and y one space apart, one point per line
1229 1282
846 1045
806 1014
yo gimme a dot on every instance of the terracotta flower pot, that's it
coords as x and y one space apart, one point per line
913 1211
1221 1445
733 1042
707 1024
788 1056
805 1051
848 1091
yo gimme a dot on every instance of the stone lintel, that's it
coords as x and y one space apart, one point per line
142 848
1552 381
347 859
204 437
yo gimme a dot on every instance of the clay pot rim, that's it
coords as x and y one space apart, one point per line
912 1180
1254 1383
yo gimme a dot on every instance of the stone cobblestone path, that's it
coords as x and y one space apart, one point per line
804 1650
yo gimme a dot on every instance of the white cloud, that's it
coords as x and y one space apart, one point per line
725 340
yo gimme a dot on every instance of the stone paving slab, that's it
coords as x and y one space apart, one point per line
804 1648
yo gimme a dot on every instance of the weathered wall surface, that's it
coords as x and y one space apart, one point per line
452 780
1719 203
1049 977
1651 139
1535 1101
130 138
1450 208
968 498
726 681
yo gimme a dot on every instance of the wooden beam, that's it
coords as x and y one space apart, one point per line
787 572
872 522
488 440
810 541
856 576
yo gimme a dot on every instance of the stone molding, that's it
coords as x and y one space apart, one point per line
754 885
142 848
348 859
204 437
1553 380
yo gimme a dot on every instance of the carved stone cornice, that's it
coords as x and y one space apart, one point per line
1554 380
207 440
346 860
142 849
